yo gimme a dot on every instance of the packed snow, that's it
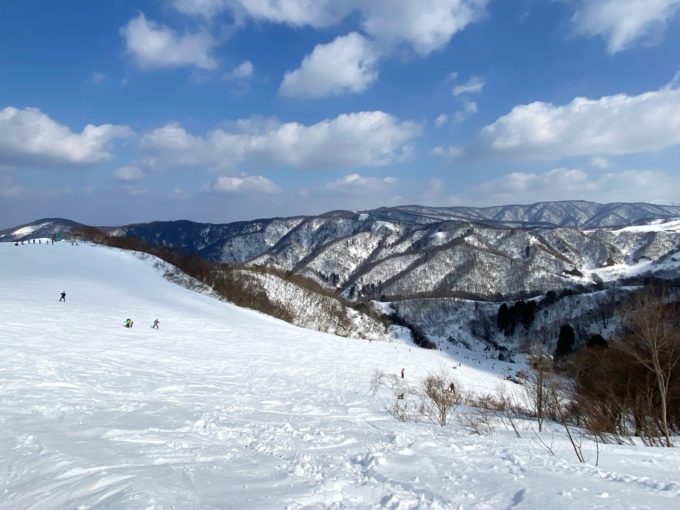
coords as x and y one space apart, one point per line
226 408
24 231
653 226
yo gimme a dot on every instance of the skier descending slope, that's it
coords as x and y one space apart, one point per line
63 296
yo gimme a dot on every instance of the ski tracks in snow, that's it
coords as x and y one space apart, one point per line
226 408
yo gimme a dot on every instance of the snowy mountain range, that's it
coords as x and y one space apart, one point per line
443 271
406 252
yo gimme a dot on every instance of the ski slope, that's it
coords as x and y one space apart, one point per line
226 408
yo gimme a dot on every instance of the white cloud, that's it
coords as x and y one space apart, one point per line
347 64
29 137
622 23
564 183
243 71
450 152
600 162
424 25
473 86
245 183
98 78
205 8
355 184
441 119
129 173
561 180
611 125
297 13
153 45
469 108
315 13
349 140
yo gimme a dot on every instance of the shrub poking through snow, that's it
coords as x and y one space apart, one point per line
441 396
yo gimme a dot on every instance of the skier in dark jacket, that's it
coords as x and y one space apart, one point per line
156 323
63 296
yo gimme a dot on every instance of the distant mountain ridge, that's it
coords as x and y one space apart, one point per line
418 251
580 214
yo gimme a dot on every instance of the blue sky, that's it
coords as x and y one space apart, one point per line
122 111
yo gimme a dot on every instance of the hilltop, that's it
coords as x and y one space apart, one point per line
227 408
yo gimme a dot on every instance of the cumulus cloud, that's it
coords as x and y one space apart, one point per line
153 45
349 140
347 64
424 25
565 183
244 183
623 23
611 125
129 173
28 137
243 71
473 86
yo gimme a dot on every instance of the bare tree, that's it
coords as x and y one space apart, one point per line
534 389
652 337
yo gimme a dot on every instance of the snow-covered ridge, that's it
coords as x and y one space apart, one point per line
653 226
400 252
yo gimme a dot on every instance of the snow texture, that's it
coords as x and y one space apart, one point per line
226 408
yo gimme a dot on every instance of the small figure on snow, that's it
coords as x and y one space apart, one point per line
156 323
63 296
402 372
128 323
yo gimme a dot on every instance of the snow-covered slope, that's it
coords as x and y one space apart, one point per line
43 228
226 408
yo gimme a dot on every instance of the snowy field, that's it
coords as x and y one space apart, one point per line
226 408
